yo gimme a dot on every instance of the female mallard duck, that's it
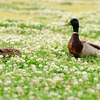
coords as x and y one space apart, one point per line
8 52
80 48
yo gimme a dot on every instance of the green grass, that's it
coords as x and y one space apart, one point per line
46 70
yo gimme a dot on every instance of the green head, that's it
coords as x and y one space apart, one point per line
75 23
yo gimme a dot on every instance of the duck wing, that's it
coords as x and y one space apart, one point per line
6 50
95 46
89 49
92 44
9 51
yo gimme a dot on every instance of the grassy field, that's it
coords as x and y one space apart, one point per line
46 70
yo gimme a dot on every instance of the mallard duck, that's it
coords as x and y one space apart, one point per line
8 52
80 48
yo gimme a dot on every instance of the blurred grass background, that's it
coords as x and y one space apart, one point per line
29 9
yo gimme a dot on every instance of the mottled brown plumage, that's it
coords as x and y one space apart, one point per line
8 52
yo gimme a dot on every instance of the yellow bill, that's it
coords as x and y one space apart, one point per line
69 23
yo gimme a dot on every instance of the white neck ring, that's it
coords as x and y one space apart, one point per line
75 32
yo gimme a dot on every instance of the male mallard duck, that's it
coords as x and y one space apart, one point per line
8 52
80 48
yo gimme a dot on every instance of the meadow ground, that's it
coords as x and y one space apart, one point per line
46 70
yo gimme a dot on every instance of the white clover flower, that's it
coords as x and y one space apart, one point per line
25 65
80 80
40 65
85 77
73 59
7 82
63 53
0 82
34 81
85 63
49 80
61 75
53 86
84 73
75 83
59 96
20 70
65 93
8 74
88 90
79 59
59 52
53 94
65 67
19 89
74 77
79 94
6 89
92 91
33 67
23 60
59 69
15 99
78 72
51 69
15 96
72 70
45 70
23 56
46 88
8 61
18 61
58 79
31 97
66 70
1 67
91 68
45 67
1 56
31 93
12 42
98 86
98 54
39 59
67 88
77 98
81 68
10 65
7 55
70 98
28 61
70 91
95 79
98 67
38 72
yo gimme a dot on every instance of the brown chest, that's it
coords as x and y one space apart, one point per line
75 46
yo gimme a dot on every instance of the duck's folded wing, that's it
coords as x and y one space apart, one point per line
94 45
1 51
9 50
6 50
